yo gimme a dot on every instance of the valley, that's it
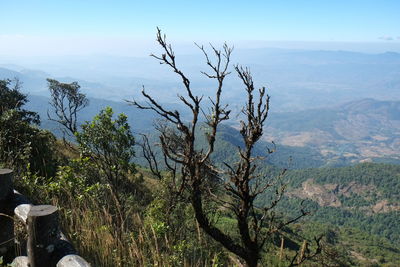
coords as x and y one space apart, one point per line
342 157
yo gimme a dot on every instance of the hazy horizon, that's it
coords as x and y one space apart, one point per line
106 46
127 28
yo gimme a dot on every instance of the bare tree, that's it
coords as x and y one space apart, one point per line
241 182
67 101
149 155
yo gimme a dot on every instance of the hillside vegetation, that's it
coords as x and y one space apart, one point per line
359 204
205 191
116 213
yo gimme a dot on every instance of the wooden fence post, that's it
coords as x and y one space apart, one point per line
57 250
43 234
47 246
6 220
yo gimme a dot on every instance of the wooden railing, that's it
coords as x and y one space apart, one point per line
45 244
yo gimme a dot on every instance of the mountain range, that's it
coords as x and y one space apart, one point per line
357 131
327 107
295 79
360 131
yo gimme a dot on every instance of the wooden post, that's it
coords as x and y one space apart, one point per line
6 220
47 245
31 243
43 234
59 251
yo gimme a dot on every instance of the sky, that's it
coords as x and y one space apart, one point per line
46 27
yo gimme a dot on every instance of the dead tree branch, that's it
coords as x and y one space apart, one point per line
240 182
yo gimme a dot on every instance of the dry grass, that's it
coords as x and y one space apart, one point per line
92 228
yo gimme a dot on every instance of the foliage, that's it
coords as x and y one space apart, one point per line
67 101
12 99
23 145
88 218
350 241
179 236
109 144
118 214
375 235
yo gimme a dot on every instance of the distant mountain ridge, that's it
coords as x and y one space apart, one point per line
336 134
362 197
296 79
357 131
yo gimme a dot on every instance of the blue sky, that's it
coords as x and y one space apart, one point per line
104 24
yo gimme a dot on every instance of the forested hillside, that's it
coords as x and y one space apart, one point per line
266 133
187 185
365 130
360 204
355 207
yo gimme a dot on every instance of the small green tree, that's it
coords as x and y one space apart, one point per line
109 143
